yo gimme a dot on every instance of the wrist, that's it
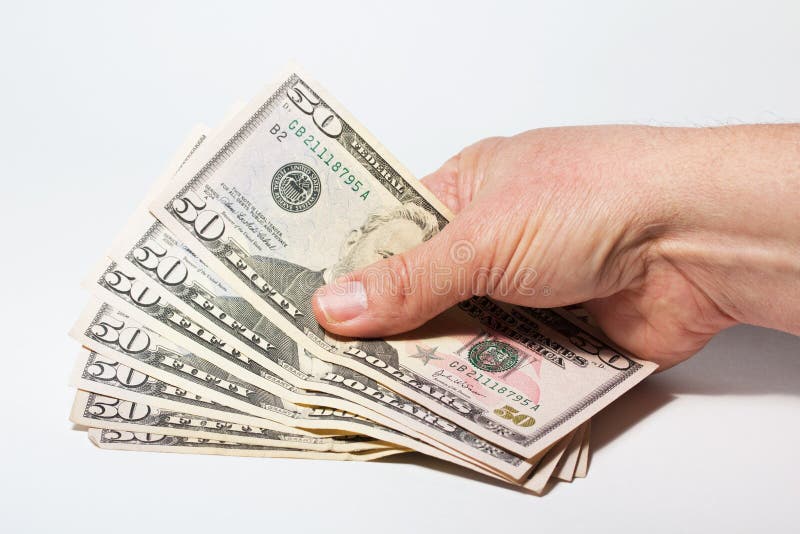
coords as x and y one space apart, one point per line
730 218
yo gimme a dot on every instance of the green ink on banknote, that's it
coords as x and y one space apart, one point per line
493 356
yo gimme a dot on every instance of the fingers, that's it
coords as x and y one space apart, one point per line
404 291
394 295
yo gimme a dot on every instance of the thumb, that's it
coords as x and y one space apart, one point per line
403 291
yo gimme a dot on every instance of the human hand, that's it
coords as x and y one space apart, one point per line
661 232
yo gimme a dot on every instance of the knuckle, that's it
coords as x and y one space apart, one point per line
410 301
400 269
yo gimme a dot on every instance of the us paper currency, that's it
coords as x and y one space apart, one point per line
160 282
147 301
565 470
102 411
545 469
143 441
115 334
183 301
121 394
282 201
184 388
106 376
583 460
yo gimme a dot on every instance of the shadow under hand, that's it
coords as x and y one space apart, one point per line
743 360
625 413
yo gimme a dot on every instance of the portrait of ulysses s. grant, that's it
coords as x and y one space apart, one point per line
384 233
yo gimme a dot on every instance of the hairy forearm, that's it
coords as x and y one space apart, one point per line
732 214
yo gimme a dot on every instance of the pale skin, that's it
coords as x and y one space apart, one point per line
668 235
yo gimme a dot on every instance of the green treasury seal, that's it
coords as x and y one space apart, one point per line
493 356
296 187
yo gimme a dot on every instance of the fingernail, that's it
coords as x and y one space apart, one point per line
340 302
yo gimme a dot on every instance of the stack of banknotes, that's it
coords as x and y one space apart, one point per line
200 336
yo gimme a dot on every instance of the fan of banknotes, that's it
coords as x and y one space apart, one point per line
200 336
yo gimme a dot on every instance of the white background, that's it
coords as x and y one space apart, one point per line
95 98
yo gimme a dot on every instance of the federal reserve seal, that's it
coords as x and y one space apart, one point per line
493 356
296 187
